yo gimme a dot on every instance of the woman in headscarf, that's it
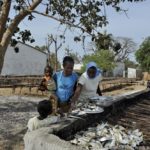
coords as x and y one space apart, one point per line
88 84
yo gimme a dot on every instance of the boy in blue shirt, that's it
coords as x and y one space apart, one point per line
65 81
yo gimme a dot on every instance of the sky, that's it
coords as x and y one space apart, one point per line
135 25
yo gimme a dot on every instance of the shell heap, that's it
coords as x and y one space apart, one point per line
105 136
93 105
83 108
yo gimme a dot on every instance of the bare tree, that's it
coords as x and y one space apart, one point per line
123 47
77 58
57 46
49 42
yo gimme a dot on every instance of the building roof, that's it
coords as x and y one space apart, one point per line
32 47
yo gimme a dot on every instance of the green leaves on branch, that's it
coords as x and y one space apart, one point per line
26 36
143 55
88 16
23 36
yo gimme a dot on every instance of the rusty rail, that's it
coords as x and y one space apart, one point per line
135 115
132 111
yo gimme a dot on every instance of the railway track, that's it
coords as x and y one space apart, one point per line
131 112
134 114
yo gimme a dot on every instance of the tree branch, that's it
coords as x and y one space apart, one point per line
18 18
60 20
4 15
59 46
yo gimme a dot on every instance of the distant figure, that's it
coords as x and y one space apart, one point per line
47 83
45 117
88 84
65 84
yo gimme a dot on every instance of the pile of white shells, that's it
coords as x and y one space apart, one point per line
92 105
84 108
105 137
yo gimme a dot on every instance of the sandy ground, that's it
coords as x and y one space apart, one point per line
19 91
125 90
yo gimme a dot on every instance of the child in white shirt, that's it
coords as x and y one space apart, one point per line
45 117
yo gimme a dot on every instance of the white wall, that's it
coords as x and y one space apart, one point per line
118 70
28 61
131 73
78 66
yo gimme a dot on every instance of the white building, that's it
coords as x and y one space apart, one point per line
131 73
77 67
27 61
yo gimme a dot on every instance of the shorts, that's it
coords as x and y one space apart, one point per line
64 106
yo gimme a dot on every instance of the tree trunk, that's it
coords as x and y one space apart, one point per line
2 55
6 36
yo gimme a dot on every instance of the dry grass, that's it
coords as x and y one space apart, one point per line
19 91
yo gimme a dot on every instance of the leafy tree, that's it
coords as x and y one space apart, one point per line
122 47
143 55
85 15
104 42
103 58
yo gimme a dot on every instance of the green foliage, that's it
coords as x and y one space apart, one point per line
103 58
122 46
88 16
143 55
104 41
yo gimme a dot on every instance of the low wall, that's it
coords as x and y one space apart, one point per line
66 130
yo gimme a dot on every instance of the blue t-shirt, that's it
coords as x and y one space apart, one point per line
64 85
